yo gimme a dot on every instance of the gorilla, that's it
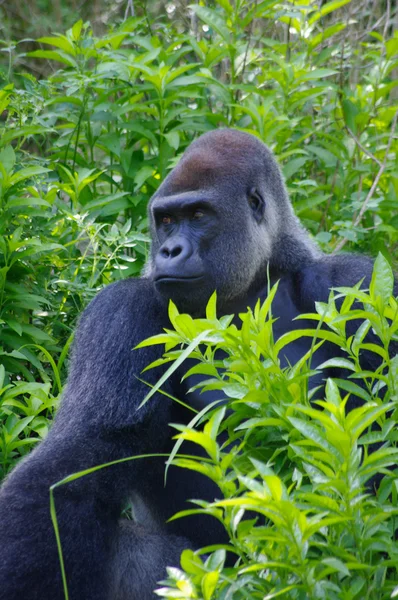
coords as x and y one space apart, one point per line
221 220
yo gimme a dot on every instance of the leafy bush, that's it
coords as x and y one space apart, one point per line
293 466
81 152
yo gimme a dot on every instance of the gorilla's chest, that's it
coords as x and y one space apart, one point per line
285 311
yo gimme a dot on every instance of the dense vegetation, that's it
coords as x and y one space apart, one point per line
300 462
82 150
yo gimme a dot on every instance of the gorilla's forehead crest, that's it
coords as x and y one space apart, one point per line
216 156
199 169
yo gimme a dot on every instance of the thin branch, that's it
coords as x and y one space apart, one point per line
325 212
368 31
374 184
129 8
387 23
249 39
364 150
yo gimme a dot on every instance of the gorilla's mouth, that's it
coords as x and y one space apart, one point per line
178 279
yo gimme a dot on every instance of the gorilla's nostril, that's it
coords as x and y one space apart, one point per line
176 251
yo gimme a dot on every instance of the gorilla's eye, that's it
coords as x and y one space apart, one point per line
198 214
167 220
256 203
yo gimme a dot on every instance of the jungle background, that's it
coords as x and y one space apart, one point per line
97 102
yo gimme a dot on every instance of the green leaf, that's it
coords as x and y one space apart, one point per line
2 377
23 388
316 435
20 426
77 29
17 327
360 424
27 173
259 422
296 334
191 563
317 74
7 158
234 390
173 313
201 439
208 470
192 346
142 175
353 388
60 41
209 584
211 308
382 283
173 139
161 338
326 34
27 201
337 565
100 201
65 100
260 9
350 112
111 141
5 97
36 333
211 18
226 5
290 168
24 131
194 421
341 363
213 425
327 9
52 55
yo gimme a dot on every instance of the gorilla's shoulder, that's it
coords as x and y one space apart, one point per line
117 319
348 269
121 306
314 281
127 294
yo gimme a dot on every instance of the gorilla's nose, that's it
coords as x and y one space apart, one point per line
175 250
171 252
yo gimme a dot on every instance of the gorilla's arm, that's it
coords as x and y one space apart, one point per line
313 283
139 561
98 422
315 280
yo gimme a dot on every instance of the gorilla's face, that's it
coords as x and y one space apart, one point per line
185 226
200 248
211 226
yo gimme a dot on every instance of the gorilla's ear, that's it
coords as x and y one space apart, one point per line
257 203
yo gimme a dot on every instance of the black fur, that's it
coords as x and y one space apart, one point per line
240 221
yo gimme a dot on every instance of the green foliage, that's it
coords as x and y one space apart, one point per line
293 465
81 152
